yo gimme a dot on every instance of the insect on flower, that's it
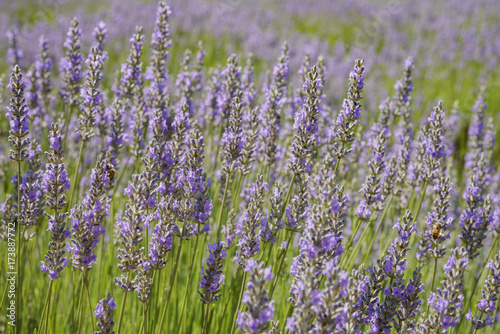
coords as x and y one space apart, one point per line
111 171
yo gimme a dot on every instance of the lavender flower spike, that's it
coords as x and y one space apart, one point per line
43 66
14 54
447 302
131 70
250 239
71 65
19 116
306 124
55 182
160 44
371 191
104 315
260 309
438 224
143 281
486 305
88 218
434 145
161 241
404 87
91 96
212 276
348 117
131 232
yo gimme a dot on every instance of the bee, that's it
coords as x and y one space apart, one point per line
435 232
111 171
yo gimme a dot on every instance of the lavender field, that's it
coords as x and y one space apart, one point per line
234 166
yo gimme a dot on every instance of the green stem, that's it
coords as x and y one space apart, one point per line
233 325
354 253
221 132
4 293
150 301
476 281
351 239
421 201
384 213
415 217
263 252
221 210
19 242
80 307
172 281
238 270
433 279
68 110
237 190
188 285
275 279
86 281
122 310
205 320
101 256
288 196
75 175
144 327
42 318
48 312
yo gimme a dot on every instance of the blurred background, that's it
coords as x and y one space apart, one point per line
455 43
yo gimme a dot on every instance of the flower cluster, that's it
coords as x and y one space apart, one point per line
88 218
260 309
487 304
103 313
55 182
249 241
212 276
447 302
19 116
71 65
348 116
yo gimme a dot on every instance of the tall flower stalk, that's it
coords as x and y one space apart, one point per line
18 115
71 68
348 116
212 279
55 183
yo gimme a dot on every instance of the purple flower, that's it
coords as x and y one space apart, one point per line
250 235
55 182
486 306
404 87
18 115
273 224
88 218
131 232
14 54
362 211
162 239
447 302
104 315
259 309
71 65
131 70
348 116
306 124
212 276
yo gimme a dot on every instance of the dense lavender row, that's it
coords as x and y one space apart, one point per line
207 200
454 41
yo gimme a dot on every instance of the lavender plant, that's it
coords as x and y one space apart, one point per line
196 126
